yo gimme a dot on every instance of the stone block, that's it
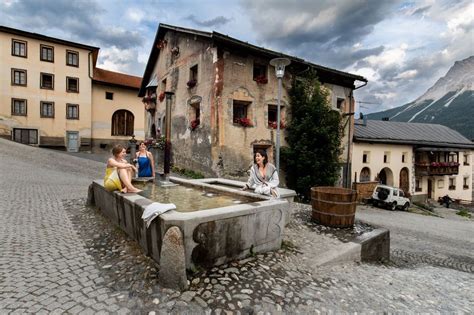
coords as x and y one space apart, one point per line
172 263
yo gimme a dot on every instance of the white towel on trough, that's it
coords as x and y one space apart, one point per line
155 209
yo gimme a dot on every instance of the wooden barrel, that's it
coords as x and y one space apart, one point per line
334 206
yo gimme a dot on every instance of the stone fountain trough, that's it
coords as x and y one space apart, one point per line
212 236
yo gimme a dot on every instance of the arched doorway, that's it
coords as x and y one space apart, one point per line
386 176
404 180
365 174
122 123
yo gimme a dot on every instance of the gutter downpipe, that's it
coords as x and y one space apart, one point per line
348 172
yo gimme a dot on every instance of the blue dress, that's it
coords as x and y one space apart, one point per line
144 167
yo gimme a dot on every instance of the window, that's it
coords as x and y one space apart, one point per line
240 111
466 159
163 85
404 157
72 85
365 157
47 81
465 184
452 183
339 103
19 48
72 111
47 53
273 116
47 109
193 76
25 136
18 107
418 185
441 183
401 193
194 115
386 157
260 73
109 95
18 77
72 58
365 174
122 123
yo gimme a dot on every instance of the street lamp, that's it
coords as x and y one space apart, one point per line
279 64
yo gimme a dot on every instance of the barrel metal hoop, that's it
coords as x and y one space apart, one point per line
334 214
336 202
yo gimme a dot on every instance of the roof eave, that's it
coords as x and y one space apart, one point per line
415 142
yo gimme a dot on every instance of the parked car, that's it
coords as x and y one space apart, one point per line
389 197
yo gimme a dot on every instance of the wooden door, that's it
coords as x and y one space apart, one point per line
404 181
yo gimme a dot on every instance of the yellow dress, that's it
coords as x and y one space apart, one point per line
112 180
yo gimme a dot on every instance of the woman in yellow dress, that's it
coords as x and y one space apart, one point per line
118 175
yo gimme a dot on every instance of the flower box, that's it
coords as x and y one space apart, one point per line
274 125
191 83
194 124
261 79
244 122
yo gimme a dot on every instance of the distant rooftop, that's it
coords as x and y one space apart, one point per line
116 78
419 134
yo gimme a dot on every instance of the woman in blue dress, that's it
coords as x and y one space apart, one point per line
146 165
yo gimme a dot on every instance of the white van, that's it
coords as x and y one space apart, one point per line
390 197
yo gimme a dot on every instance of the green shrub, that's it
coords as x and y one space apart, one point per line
313 136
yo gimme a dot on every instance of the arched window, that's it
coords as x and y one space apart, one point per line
122 123
365 174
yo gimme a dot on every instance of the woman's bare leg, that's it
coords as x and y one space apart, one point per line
126 179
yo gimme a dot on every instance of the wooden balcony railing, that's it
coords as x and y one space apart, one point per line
436 168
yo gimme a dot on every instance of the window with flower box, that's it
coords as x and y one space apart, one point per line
193 76
240 113
260 73
195 115
19 77
273 116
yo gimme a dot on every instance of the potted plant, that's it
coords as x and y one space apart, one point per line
191 83
273 124
194 123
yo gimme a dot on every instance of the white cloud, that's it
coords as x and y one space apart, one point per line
135 15
409 74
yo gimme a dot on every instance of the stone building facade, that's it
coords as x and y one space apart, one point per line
228 87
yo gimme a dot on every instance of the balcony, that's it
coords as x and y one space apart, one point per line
436 169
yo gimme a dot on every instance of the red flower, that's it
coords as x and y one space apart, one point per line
162 96
273 124
191 83
261 79
244 122
194 124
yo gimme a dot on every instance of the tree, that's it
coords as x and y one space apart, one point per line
313 136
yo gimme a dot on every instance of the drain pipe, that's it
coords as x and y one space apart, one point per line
167 161
351 113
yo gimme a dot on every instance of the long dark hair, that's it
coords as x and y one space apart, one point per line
262 153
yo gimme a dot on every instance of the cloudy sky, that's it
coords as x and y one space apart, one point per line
401 47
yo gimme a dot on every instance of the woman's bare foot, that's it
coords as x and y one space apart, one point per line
134 190
124 191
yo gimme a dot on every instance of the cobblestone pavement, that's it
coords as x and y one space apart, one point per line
60 256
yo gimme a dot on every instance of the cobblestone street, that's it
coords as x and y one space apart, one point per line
59 256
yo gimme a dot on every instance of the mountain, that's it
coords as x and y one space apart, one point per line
449 102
